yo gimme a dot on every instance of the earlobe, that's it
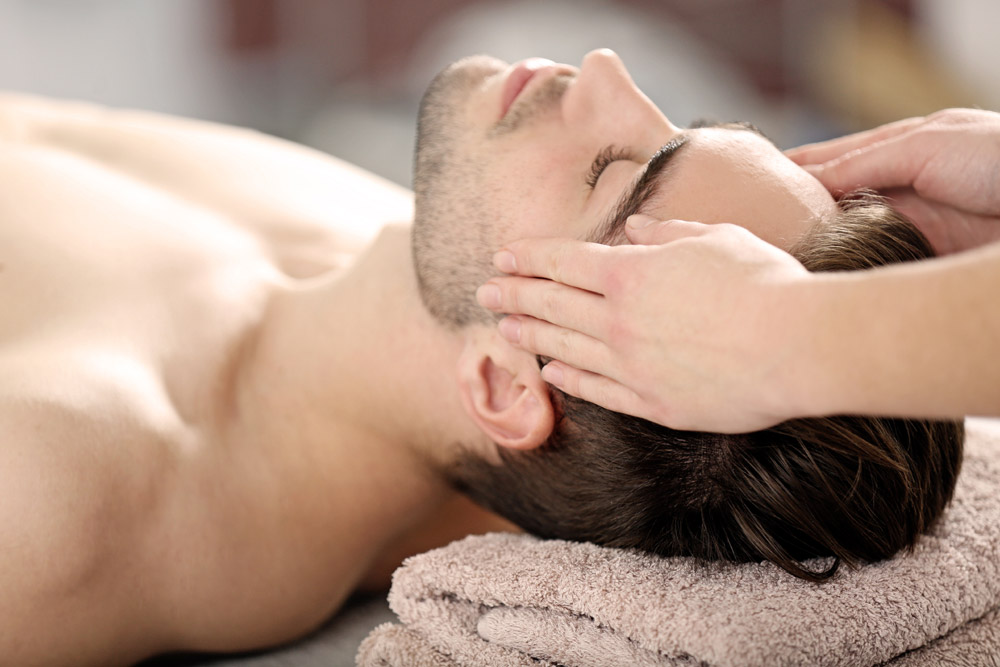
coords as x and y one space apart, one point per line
504 394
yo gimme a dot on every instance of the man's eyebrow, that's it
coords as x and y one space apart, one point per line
612 230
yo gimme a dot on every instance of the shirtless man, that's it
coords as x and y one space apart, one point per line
224 404
183 466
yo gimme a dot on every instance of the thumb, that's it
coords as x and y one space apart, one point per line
645 230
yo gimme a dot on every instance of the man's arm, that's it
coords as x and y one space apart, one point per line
72 590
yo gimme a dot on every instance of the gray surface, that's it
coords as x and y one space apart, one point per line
334 645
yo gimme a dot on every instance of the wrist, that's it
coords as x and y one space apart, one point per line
815 330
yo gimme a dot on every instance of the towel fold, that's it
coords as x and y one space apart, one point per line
504 599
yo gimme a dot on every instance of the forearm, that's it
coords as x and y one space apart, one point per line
916 340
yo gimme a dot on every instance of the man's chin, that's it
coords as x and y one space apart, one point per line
480 63
453 87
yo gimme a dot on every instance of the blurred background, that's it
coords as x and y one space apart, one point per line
346 76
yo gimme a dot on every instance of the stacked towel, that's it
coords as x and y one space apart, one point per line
506 600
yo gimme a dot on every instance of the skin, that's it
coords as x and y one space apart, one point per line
775 342
535 176
613 355
213 429
939 170
179 471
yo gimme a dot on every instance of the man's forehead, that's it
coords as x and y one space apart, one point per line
737 125
643 190
731 172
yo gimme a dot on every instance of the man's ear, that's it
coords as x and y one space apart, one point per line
503 391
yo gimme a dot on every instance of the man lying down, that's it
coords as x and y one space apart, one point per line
222 412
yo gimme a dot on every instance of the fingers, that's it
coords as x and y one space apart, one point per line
948 229
554 302
825 151
574 263
646 230
892 163
594 388
548 340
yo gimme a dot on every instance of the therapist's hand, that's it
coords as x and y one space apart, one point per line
942 171
694 332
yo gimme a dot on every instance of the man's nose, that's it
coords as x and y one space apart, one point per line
605 63
605 96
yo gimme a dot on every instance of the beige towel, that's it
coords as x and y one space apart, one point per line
515 600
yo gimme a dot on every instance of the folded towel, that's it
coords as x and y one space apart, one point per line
504 599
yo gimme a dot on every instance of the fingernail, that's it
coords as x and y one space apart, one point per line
488 296
510 328
638 221
504 260
552 375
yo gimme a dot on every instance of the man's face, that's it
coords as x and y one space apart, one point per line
537 149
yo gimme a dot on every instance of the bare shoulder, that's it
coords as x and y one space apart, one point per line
112 520
69 540
264 181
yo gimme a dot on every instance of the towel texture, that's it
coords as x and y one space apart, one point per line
505 599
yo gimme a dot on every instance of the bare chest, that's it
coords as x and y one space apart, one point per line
126 295
106 284
124 311
157 264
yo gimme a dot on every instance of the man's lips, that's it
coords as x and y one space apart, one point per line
518 79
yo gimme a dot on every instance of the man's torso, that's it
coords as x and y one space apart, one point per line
137 255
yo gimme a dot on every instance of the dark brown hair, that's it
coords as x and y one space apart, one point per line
852 488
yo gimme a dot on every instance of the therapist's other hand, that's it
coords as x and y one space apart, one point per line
942 171
691 332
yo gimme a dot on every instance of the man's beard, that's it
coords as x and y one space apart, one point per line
452 239
458 222
528 107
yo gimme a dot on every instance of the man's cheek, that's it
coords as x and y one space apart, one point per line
536 197
531 216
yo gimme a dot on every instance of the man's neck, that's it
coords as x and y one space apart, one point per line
351 369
